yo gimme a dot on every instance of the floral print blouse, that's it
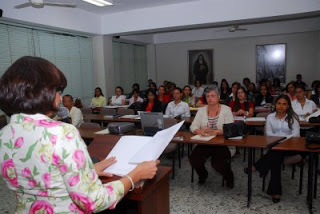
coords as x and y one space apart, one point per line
47 165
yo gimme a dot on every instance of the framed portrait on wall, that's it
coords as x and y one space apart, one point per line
271 62
200 66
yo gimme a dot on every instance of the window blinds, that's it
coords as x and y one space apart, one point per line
71 54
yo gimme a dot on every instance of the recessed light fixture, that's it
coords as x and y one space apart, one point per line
100 3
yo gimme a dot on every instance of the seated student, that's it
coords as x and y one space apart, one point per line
151 104
137 87
118 99
276 87
197 91
291 90
187 96
302 106
177 107
316 96
162 97
233 94
242 106
264 97
74 113
209 120
252 93
135 98
98 100
282 123
224 90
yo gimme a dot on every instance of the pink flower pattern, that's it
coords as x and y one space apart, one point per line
56 171
9 172
41 207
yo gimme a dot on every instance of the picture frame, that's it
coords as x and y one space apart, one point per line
200 66
271 62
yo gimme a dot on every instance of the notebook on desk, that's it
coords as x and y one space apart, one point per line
151 122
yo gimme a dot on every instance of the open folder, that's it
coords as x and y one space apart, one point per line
132 150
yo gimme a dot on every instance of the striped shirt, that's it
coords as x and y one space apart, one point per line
212 122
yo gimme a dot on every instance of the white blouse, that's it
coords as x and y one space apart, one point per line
280 127
308 107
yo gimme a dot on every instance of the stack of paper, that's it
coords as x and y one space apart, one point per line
253 119
104 131
203 138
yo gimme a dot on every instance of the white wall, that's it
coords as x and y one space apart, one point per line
234 59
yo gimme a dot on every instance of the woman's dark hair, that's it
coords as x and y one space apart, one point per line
136 85
179 89
187 86
290 83
268 90
195 82
276 82
30 85
135 91
154 85
291 115
316 90
301 87
99 90
119 87
150 90
237 101
222 81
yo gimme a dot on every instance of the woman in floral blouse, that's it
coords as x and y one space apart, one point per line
46 162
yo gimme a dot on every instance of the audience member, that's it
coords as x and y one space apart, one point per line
118 99
151 104
98 100
291 90
264 96
197 91
224 89
233 94
135 98
187 96
177 108
74 113
208 121
241 106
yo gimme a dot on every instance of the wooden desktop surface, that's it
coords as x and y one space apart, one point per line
154 196
294 144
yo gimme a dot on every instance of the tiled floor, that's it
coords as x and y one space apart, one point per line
190 198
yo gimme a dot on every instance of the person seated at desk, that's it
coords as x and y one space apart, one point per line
302 106
197 91
241 106
187 96
178 108
135 98
283 122
162 97
224 90
151 104
209 120
74 113
98 100
233 94
291 90
47 165
316 96
118 99
264 97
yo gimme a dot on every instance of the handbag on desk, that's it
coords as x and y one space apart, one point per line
236 129
314 119
313 140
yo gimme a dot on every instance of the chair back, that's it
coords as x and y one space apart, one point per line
89 125
108 111
124 111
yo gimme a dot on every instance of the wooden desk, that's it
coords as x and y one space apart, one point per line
154 196
298 144
250 141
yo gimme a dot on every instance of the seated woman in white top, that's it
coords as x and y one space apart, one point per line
282 123
301 105
135 97
118 99
197 91
98 100
177 107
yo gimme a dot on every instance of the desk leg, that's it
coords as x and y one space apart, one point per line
310 181
249 176
316 165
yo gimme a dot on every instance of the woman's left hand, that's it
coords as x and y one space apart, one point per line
102 165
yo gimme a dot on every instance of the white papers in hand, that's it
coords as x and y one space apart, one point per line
202 138
126 147
157 145
104 131
131 150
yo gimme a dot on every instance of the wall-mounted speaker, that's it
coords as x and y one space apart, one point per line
1 13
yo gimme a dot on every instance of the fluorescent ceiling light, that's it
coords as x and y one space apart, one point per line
100 3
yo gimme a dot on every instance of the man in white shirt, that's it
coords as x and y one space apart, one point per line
177 107
75 113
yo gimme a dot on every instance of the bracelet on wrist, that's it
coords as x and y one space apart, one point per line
131 181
